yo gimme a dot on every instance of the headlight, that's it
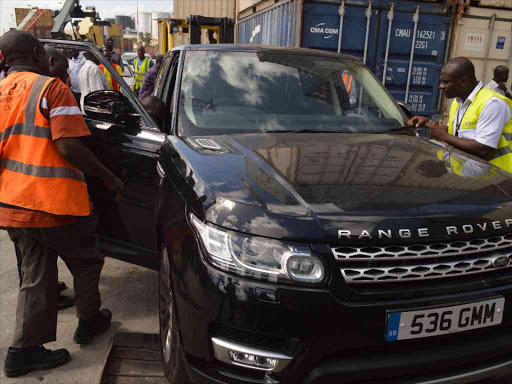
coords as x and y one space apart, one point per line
259 257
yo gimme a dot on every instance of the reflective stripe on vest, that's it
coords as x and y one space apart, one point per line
502 157
350 78
33 173
140 72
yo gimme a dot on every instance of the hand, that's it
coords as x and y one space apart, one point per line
419 121
115 185
437 131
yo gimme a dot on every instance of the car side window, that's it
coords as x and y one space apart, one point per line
168 91
164 70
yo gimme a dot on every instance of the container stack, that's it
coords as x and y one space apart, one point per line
408 40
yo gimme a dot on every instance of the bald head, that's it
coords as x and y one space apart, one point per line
458 78
461 66
155 107
22 48
501 74
58 63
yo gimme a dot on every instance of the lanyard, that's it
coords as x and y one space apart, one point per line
459 122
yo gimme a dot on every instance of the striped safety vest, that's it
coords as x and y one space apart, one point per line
112 83
33 173
502 157
140 71
346 77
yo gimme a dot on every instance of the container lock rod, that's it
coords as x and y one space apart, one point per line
391 15
415 19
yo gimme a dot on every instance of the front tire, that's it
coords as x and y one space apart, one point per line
173 362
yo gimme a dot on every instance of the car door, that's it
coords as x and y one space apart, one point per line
130 149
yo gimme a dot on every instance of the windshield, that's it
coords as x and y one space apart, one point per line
247 92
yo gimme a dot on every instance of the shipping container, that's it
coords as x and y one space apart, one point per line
207 8
46 20
483 35
381 33
277 25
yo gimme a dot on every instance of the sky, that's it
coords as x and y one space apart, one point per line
106 9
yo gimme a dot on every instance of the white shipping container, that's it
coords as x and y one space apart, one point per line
496 3
483 35
208 8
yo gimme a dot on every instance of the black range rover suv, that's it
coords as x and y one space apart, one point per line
303 233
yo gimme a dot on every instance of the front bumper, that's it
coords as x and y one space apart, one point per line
329 340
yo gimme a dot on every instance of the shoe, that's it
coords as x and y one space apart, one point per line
88 329
21 361
62 286
65 302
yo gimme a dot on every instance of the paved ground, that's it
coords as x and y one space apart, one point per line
129 291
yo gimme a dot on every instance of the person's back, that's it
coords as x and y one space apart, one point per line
91 78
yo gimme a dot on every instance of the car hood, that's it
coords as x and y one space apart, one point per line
341 188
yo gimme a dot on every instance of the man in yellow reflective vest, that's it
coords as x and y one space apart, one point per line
141 65
480 119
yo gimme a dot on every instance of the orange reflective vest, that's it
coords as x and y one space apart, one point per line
348 77
33 173
112 83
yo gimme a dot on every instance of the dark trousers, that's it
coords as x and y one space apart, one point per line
76 244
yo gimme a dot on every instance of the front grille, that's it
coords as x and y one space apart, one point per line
399 263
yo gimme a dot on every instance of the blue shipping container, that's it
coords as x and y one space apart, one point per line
277 26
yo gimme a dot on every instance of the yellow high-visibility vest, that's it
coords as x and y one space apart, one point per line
502 157
140 71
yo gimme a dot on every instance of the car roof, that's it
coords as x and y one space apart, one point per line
262 48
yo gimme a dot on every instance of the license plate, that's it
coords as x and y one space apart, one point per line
440 321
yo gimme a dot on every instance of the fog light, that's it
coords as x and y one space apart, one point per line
303 267
252 360
244 356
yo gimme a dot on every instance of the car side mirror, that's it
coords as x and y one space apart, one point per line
110 106
406 108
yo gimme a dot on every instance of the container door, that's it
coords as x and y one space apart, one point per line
275 25
429 54
477 37
321 29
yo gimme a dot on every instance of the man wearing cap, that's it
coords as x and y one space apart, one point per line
45 206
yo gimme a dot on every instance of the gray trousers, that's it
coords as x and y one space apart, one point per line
36 313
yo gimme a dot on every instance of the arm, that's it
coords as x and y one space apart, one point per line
82 158
440 132
67 125
489 128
